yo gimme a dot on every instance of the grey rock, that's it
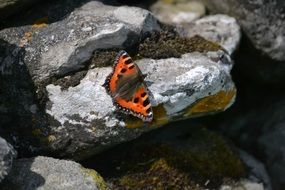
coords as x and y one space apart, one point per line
49 173
243 184
19 108
85 114
221 29
64 46
81 120
262 21
7 155
178 12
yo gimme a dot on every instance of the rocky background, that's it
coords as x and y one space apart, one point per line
215 70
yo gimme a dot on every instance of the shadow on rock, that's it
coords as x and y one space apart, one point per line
21 121
173 157
22 177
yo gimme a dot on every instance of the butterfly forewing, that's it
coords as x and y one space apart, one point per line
126 87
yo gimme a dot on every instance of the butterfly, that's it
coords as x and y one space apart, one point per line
127 88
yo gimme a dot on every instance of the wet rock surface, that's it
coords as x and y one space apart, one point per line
49 173
7 155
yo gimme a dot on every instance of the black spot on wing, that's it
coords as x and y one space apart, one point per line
125 56
123 70
146 102
143 94
131 67
129 61
136 100
148 110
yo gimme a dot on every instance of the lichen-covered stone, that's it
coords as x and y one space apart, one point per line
66 62
7 155
49 173
87 110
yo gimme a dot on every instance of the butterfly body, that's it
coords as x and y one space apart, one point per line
126 87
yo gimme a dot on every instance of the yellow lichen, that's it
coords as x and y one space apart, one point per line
159 114
216 102
40 23
96 177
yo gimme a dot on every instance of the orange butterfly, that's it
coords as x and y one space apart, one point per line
126 87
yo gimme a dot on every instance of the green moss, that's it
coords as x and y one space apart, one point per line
193 157
96 177
167 43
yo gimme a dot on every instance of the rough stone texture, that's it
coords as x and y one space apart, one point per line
7 154
243 184
64 46
79 120
19 110
262 21
197 84
178 12
49 173
221 29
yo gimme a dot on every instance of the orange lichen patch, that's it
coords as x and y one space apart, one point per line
40 23
216 102
159 118
26 38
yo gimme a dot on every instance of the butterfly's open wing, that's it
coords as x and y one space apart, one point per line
125 85
138 106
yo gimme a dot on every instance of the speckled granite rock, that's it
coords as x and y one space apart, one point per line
7 154
49 173
262 21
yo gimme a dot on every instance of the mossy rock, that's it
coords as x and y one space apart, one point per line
171 160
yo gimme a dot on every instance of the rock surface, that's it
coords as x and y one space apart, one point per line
196 85
262 21
221 29
79 119
200 159
64 46
7 154
178 12
49 173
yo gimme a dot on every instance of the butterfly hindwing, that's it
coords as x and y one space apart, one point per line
126 86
